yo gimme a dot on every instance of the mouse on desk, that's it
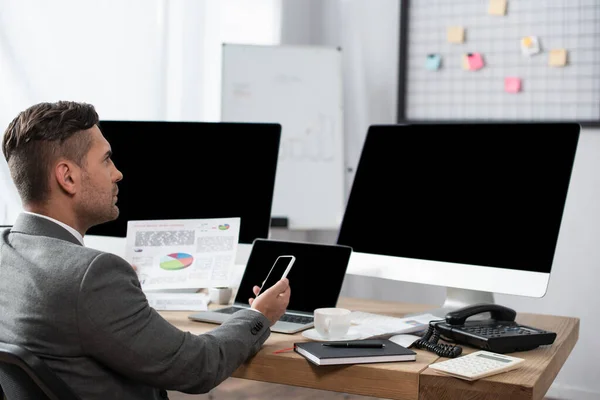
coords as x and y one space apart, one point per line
404 340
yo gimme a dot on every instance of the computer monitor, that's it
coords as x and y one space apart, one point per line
189 170
475 207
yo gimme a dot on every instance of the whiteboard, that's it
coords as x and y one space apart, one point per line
299 87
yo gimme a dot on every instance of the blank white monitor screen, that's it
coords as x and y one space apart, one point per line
469 195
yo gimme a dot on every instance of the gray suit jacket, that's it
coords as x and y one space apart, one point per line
83 312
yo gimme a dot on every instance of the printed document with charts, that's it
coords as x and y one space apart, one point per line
369 326
183 254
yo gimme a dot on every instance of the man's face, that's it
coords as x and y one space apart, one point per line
98 198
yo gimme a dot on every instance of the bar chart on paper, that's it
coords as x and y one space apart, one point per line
176 261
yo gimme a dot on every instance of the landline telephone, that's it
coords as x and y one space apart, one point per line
499 334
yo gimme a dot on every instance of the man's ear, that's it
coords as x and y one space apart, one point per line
67 176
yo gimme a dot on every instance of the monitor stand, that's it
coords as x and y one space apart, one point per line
459 298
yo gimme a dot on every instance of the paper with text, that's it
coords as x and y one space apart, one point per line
161 301
182 254
370 325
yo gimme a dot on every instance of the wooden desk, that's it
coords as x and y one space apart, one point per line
531 381
405 380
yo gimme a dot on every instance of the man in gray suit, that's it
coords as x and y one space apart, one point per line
81 310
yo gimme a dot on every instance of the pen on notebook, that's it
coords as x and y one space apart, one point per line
356 345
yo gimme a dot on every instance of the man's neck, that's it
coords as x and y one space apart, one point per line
56 213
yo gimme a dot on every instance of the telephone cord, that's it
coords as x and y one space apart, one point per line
429 341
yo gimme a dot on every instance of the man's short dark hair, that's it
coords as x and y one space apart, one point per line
39 136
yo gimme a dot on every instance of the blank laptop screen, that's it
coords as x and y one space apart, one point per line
316 277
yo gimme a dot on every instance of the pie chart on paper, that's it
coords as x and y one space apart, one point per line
175 261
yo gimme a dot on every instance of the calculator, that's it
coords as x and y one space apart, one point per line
477 365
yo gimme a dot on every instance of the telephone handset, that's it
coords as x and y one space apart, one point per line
498 312
500 333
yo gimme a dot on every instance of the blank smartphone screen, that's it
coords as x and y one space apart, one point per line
276 272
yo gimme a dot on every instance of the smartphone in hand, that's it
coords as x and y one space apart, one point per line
279 270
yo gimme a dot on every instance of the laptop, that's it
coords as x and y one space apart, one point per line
315 280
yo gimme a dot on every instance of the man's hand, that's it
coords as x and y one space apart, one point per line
273 301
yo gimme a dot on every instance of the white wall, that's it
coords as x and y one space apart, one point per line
133 60
367 31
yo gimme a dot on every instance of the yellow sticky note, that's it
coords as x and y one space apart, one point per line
465 62
497 7
456 34
557 58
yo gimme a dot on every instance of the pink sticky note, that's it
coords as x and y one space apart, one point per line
512 84
475 61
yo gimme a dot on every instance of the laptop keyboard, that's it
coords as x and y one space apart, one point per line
228 310
296 319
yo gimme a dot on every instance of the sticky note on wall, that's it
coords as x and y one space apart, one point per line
433 62
472 61
512 84
557 58
456 34
530 45
497 7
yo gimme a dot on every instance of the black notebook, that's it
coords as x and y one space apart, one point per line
321 353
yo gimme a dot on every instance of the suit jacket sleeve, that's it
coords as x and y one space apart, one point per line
118 328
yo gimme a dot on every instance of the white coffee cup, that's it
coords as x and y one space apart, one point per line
220 295
332 323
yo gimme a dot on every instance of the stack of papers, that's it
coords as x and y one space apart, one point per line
161 301
369 325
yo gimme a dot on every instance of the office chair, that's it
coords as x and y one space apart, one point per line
23 376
